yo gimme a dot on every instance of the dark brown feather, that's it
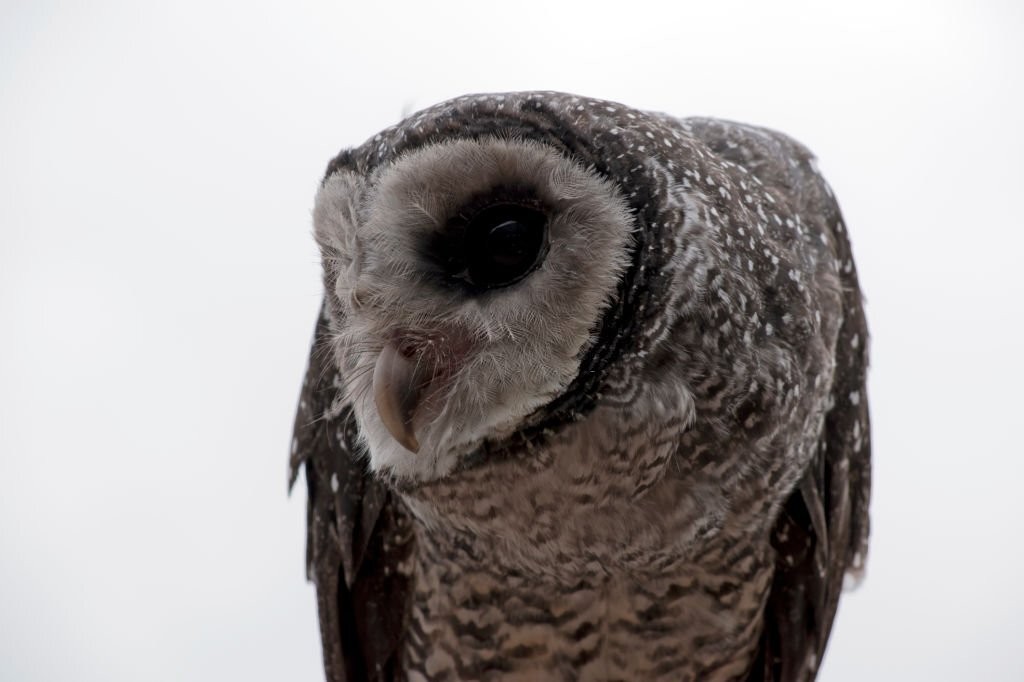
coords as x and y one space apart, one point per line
358 534
822 531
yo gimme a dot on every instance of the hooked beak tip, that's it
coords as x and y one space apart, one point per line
410 443
398 382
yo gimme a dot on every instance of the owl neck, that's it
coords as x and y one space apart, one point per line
478 606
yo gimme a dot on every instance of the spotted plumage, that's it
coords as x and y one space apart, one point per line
640 451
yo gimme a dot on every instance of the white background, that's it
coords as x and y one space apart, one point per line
158 288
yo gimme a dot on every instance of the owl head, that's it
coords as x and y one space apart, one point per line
467 279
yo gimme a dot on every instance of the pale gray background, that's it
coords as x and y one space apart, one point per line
158 288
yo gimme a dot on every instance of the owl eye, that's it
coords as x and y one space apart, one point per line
503 244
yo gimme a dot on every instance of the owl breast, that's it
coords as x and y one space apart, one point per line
476 620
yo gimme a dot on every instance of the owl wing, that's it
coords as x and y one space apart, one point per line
822 530
821 533
358 534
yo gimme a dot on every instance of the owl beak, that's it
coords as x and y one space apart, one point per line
398 383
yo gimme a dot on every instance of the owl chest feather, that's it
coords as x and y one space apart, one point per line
474 618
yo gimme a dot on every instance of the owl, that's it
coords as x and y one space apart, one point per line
585 401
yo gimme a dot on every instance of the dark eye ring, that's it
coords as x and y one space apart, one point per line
503 244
